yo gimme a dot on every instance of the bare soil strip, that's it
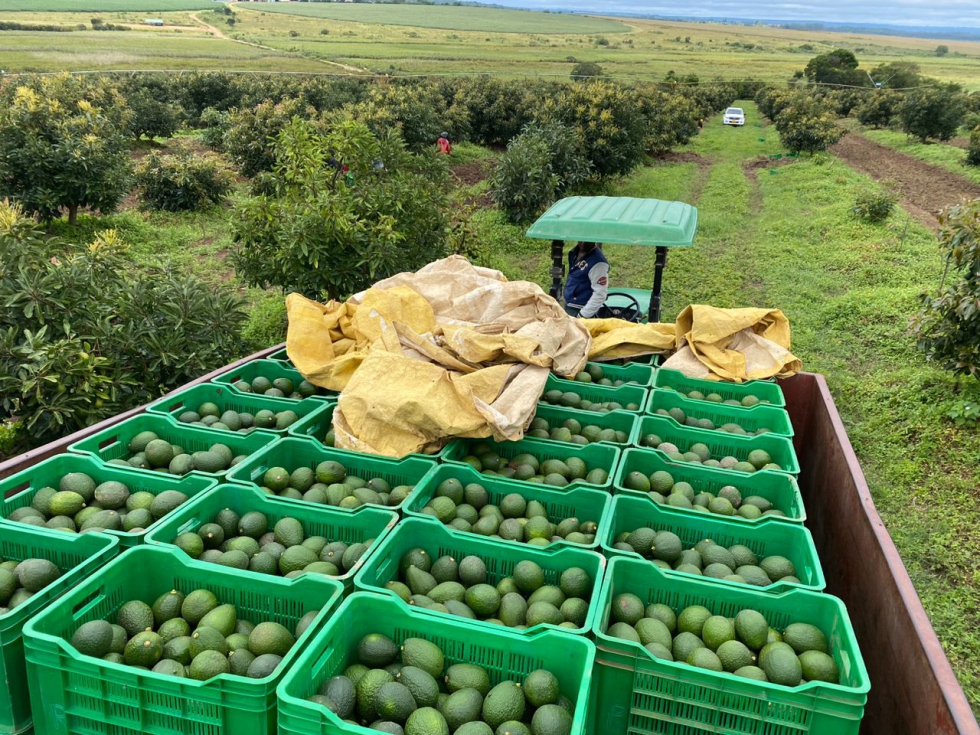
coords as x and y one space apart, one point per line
924 189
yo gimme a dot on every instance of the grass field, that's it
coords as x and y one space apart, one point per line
450 40
102 6
492 20
785 238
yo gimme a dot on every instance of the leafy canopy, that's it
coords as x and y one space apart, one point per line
324 231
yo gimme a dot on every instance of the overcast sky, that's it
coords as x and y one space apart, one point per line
950 13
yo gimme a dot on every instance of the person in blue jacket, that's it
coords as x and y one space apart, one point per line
588 280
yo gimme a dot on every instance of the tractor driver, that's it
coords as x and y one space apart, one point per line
588 280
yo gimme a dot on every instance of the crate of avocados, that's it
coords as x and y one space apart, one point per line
215 642
753 393
730 452
272 379
767 555
301 471
719 417
723 659
746 497
159 445
592 397
495 681
219 408
583 427
425 566
243 527
78 493
36 567
517 512
613 376
319 428
557 464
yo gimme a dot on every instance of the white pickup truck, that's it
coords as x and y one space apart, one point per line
734 116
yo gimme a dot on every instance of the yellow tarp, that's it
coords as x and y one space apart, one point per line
452 350
458 350
733 344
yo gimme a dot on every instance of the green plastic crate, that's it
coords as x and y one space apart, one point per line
316 426
631 373
505 655
79 694
778 488
19 489
270 369
619 420
292 453
629 512
762 389
334 524
596 456
113 443
721 444
500 559
281 356
586 504
751 419
77 557
226 398
636 694
624 394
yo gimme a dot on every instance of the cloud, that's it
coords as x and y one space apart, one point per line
925 13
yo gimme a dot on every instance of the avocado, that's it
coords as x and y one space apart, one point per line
209 664
93 638
423 654
426 721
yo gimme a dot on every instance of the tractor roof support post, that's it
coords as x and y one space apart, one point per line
557 267
660 263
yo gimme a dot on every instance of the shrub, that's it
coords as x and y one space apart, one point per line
87 334
322 232
586 70
59 150
497 110
948 327
806 126
215 125
416 111
540 165
878 108
181 183
973 153
152 118
266 324
250 138
874 206
932 113
610 120
672 120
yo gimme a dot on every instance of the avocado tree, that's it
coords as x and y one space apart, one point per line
933 112
973 153
878 108
948 327
805 125
62 147
342 209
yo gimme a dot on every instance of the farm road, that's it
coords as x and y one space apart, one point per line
924 189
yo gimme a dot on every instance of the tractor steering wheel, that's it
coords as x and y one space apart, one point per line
631 312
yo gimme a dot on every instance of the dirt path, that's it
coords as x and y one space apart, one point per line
218 33
924 189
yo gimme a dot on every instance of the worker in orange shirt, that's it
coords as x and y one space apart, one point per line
444 145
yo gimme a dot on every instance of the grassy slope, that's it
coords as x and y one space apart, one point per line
449 17
943 155
788 241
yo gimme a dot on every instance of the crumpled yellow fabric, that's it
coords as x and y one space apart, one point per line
451 350
614 339
733 344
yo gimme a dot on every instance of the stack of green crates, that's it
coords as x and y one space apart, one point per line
636 693
76 557
73 693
